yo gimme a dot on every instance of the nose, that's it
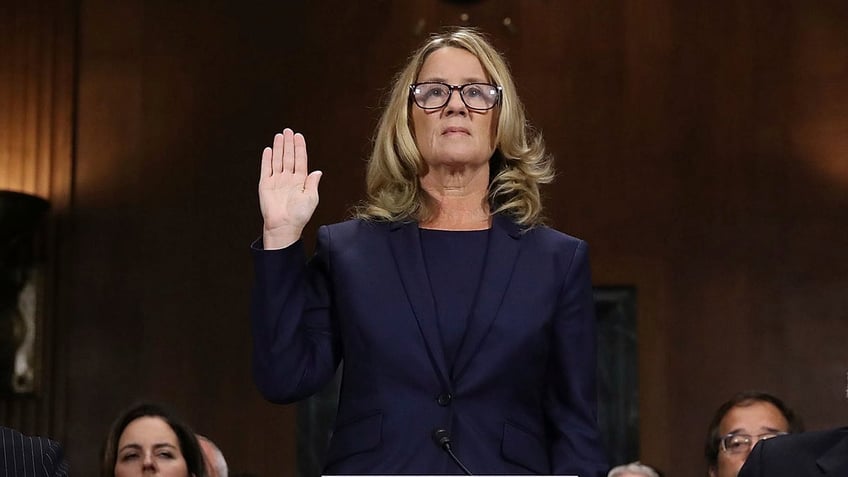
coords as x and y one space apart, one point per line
148 464
455 104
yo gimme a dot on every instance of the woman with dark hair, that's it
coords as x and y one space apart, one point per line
148 438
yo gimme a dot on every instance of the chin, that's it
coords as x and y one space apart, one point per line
460 154
461 159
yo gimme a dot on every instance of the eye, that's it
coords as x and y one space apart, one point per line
434 91
473 91
165 454
128 456
738 442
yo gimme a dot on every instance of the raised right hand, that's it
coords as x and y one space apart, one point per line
287 194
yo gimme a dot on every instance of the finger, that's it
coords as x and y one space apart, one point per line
300 161
265 166
288 150
312 180
277 154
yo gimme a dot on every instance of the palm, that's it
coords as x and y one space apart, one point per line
288 195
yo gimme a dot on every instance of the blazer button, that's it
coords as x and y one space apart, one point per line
444 399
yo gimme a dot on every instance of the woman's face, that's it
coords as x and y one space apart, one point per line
453 135
148 446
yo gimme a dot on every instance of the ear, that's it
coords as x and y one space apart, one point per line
713 471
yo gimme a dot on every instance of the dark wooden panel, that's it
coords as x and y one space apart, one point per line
700 148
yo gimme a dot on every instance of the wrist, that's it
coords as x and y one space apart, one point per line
280 237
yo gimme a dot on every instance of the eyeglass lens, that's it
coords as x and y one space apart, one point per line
474 95
738 443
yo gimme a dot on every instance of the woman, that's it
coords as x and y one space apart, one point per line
466 327
148 440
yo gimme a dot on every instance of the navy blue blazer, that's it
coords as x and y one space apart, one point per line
30 456
520 397
808 454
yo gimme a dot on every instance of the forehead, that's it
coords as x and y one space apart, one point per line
147 429
451 63
755 417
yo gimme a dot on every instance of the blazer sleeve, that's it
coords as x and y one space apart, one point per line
53 458
295 341
37 456
571 400
753 466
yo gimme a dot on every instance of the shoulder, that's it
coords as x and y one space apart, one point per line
799 454
15 439
554 236
355 226
545 238
535 233
352 234
20 450
544 247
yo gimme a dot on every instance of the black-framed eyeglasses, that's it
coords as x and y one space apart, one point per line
742 443
435 94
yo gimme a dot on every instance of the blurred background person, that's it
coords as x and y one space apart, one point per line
633 469
739 423
148 439
216 465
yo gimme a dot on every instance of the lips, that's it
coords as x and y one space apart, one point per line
455 130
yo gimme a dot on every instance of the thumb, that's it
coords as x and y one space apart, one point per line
312 181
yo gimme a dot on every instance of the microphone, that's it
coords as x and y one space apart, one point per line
442 439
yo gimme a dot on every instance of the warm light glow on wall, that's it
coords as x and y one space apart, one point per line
820 125
823 142
4 172
24 95
36 93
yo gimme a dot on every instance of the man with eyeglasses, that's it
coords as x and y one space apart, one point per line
741 422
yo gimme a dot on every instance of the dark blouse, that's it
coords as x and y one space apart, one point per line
454 260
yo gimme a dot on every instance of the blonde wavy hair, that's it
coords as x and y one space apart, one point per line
517 168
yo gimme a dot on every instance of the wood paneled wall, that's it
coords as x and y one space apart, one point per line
701 149
37 47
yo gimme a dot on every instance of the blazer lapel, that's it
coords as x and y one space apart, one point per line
835 460
405 243
504 242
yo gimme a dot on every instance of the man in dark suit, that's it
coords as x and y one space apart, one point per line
30 456
821 453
